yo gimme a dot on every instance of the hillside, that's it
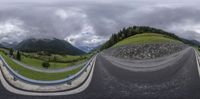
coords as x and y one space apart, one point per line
9 45
55 46
146 38
1 46
134 30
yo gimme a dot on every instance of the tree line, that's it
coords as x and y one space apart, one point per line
17 56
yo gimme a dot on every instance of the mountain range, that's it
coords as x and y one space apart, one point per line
55 46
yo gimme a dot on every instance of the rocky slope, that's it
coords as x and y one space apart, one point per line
145 51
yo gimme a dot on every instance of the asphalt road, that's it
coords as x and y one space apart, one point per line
180 81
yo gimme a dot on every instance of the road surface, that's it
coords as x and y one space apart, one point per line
180 81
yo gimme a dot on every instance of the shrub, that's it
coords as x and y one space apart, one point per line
5 53
46 64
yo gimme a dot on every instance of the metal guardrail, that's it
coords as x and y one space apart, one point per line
40 82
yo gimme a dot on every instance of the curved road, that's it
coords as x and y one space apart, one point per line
180 81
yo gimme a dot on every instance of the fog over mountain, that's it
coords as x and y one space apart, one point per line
90 23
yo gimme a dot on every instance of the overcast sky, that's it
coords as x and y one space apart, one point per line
91 22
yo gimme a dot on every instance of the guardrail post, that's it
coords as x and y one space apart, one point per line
69 83
14 78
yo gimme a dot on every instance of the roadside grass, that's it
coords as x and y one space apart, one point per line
145 38
38 75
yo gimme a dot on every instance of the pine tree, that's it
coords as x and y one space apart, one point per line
18 56
11 52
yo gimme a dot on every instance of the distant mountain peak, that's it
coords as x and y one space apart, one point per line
9 44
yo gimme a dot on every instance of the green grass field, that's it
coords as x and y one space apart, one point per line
59 58
37 75
145 38
62 61
53 65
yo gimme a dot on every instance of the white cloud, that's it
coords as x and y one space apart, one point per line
70 13
186 25
61 13
188 28
12 29
10 26
86 37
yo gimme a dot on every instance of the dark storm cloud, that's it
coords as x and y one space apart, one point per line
89 23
